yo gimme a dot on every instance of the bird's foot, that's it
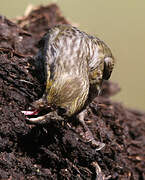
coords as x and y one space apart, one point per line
88 137
87 134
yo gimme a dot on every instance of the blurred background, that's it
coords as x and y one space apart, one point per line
121 24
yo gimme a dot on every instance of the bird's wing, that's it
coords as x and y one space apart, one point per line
108 59
100 67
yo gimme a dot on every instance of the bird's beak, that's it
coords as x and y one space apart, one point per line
41 119
30 113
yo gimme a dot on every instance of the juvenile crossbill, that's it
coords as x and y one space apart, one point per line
75 65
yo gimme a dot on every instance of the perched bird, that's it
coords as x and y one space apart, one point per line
75 65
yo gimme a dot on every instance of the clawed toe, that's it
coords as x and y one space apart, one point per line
88 137
98 145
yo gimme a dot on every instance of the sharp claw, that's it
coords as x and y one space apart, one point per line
98 145
30 113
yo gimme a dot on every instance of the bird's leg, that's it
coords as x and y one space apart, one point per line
87 135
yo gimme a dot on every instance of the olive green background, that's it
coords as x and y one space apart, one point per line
121 24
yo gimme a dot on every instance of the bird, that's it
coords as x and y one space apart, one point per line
75 65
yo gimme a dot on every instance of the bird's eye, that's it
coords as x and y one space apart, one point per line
61 111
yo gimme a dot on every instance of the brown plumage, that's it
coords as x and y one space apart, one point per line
75 65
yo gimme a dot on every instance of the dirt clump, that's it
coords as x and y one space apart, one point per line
54 150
